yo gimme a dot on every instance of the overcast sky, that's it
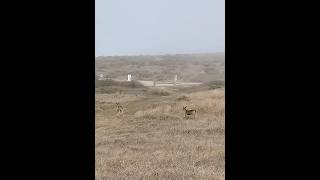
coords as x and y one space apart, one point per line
136 27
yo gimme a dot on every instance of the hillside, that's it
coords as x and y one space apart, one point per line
153 140
188 67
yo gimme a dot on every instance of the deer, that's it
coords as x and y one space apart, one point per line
119 108
189 112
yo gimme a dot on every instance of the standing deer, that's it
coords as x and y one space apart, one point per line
189 112
119 108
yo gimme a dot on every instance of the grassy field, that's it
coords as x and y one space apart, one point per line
152 140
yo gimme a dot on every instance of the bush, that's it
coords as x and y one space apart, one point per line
215 84
135 84
103 83
108 83
183 98
159 92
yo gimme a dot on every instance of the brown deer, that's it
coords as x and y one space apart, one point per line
119 108
189 112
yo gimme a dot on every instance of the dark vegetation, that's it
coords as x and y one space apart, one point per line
188 67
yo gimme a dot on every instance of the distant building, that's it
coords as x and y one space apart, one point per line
101 77
129 77
175 79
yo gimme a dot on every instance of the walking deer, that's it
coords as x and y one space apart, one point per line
119 108
189 112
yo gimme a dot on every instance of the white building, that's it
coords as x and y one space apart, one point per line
175 79
101 77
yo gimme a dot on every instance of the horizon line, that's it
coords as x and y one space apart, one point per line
164 54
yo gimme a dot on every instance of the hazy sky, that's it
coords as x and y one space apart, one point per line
133 27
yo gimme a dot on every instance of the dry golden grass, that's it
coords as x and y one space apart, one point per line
152 140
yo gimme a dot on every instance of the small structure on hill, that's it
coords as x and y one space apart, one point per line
175 79
101 77
129 77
